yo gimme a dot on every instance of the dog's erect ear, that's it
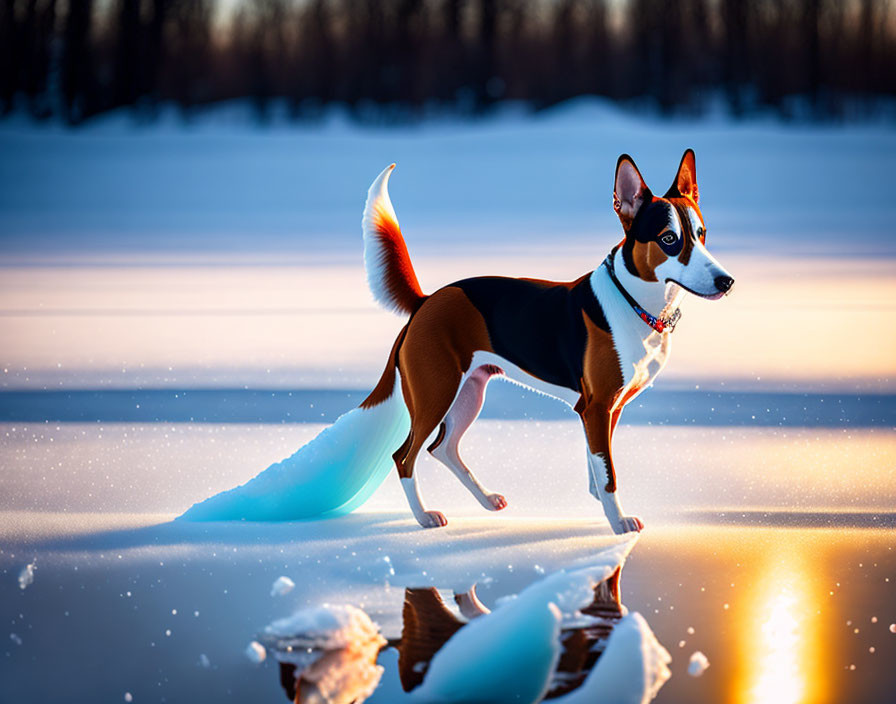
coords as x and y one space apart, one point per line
629 192
685 183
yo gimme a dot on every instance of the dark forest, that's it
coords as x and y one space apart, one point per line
398 59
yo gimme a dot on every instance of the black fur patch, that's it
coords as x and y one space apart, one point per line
536 324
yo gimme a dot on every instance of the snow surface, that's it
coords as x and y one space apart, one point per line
499 181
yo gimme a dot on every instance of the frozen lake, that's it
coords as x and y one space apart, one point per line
182 306
761 540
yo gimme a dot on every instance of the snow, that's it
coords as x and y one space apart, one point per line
325 627
26 576
334 649
256 652
282 586
697 664
494 181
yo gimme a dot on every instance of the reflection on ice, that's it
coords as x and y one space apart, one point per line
566 637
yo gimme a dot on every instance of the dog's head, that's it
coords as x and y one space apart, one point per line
665 238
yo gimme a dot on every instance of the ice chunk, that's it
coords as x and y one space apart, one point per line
697 664
325 627
128 697
15 638
255 652
330 476
204 661
631 670
281 586
334 651
26 576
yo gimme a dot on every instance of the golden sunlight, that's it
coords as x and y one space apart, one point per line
780 662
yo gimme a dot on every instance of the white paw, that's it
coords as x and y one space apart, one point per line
627 524
432 519
496 502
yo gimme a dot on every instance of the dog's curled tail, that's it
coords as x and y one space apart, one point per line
390 273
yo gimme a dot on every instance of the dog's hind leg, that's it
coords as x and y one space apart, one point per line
463 413
429 383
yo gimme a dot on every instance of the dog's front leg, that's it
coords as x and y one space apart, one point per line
598 421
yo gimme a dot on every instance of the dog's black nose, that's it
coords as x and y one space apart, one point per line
724 283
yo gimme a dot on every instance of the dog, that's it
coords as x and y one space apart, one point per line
594 343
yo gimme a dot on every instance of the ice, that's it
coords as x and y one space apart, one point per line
128 697
698 664
204 661
26 576
256 652
281 586
331 475
15 638
511 653
631 670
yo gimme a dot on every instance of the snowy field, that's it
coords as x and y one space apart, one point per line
181 306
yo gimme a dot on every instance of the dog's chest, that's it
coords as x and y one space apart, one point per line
642 352
641 359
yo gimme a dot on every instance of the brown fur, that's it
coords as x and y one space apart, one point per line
437 349
601 385
386 384
682 205
399 278
643 254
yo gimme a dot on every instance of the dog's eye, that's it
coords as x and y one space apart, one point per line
668 239
701 234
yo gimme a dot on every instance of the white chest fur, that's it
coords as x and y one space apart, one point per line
642 351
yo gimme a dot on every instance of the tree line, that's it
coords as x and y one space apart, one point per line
394 59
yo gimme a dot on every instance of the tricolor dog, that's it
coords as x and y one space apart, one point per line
594 343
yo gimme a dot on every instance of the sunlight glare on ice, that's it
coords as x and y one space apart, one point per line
780 671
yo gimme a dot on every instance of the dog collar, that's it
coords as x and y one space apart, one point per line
664 324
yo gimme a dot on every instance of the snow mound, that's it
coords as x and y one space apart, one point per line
333 650
326 627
